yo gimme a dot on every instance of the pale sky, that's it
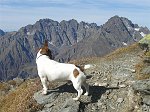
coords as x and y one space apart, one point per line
15 14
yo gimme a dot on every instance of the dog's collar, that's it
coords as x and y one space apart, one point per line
40 56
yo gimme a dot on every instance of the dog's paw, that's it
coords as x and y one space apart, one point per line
86 94
44 92
81 91
76 98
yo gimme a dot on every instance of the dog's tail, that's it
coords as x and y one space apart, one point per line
83 67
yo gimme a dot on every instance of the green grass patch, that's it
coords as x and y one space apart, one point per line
146 39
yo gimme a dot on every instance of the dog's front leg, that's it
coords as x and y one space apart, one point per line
80 91
44 83
78 88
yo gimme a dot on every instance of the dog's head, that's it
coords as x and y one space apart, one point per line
45 50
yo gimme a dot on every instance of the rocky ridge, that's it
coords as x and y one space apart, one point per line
115 86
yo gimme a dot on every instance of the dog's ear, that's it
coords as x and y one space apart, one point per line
45 50
46 44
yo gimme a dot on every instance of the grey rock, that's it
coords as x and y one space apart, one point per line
121 75
49 105
45 110
113 84
120 100
145 108
122 85
70 106
142 86
103 84
146 70
45 99
146 100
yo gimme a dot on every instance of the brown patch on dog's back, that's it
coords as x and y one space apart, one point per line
75 73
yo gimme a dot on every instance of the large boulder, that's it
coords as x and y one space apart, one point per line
143 87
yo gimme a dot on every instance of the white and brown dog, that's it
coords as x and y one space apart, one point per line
50 70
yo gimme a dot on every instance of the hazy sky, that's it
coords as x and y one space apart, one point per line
15 14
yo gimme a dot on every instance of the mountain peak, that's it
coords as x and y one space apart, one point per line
47 20
115 17
117 20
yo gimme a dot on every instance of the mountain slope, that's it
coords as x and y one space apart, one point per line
67 39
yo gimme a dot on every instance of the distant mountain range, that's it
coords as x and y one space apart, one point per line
68 40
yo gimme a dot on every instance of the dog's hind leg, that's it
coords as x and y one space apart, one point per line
86 86
44 83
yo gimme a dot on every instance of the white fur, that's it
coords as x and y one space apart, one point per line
54 71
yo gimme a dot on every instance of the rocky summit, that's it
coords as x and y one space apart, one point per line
119 82
113 88
68 40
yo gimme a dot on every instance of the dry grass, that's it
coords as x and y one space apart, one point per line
21 99
139 75
84 61
140 66
4 87
116 54
12 82
121 51
147 53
